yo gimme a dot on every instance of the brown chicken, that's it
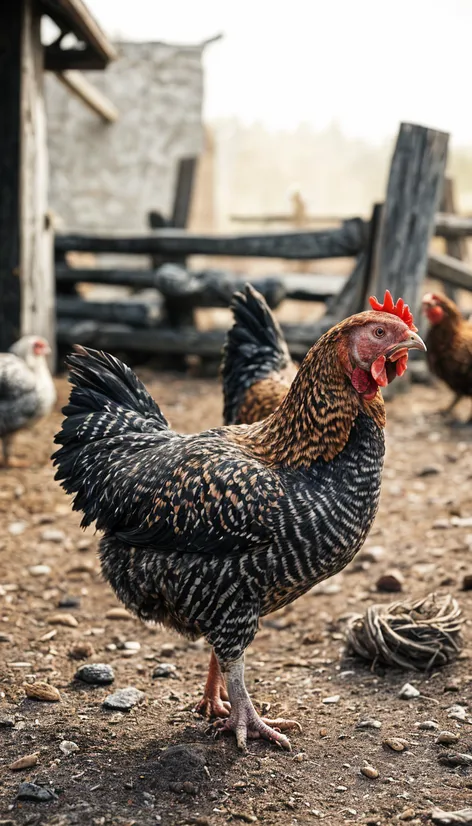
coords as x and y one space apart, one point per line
449 343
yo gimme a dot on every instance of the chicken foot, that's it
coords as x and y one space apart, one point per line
214 702
10 461
244 720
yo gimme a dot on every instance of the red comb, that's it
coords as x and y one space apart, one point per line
400 309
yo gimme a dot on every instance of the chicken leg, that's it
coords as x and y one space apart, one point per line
8 460
214 702
244 720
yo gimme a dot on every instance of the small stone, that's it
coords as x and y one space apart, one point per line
447 738
457 712
164 670
391 582
81 651
7 722
39 570
84 567
369 771
329 700
26 762
6 638
69 602
68 747
84 544
35 793
300 757
118 614
167 649
17 528
374 553
407 814
441 524
452 686
408 692
369 724
462 817
341 788
53 535
395 743
43 692
323 732
467 582
49 635
95 674
453 758
124 699
462 522
430 470
131 645
427 725
67 620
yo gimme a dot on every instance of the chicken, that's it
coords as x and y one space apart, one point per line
27 390
206 533
449 343
257 369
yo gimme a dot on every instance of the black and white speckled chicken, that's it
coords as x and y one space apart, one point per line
206 533
27 390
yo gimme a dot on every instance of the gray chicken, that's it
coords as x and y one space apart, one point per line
27 390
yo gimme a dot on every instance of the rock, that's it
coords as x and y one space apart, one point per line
427 725
26 762
81 651
69 602
67 620
369 724
52 535
7 722
164 670
374 553
6 638
408 692
132 646
407 814
391 582
167 649
430 470
442 818
461 522
467 582
457 712
300 757
329 700
42 691
68 747
95 674
35 793
369 771
118 614
454 758
84 544
17 528
39 570
124 699
84 567
395 743
447 738
441 524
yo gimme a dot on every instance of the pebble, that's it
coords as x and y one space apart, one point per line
373 554
369 771
324 732
7 722
6 638
467 582
442 818
26 762
167 649
407 814
391 582
68 747
131 645
95 673
427 725
395 743
17 528
441 524
67 620
447 738
430 470
35 793
300 757
39 570
341 788
53 535
42 691
118 614
462 522
453 758
69 602
164 670
84 567
369 724
457 712
124 699
408 692
334 699
84 544
81 651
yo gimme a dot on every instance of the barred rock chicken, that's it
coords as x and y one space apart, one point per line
449 344
26 390
207 533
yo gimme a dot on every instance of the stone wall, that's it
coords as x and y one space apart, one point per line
106 177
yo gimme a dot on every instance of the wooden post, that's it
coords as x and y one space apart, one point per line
414 188
455 247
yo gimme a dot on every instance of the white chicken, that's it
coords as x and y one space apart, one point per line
27 390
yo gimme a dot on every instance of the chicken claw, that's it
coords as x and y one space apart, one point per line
247 725
214 702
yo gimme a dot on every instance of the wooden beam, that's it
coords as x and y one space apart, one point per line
455 247
343 241
88 94
449 270
414 187
183 192
61 60
74 16
453 226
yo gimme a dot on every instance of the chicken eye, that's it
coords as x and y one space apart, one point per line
379 332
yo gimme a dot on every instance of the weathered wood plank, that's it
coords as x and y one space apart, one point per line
414 188
344 241
450 271
183 192
74 16
453 226
455 247
130 311
88 94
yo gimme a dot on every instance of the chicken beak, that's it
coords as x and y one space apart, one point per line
413 342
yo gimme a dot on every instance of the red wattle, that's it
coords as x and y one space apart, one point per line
401 364
379 373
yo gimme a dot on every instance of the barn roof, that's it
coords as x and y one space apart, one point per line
94 50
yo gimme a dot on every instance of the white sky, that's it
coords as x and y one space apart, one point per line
367 64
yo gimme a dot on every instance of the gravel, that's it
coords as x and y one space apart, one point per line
95 673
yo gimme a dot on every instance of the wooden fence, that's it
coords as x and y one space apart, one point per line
391 250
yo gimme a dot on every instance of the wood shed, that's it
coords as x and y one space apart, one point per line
26 238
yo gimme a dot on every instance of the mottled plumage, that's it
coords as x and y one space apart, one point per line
449 343
208 532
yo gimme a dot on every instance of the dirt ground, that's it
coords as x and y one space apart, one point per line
157 764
